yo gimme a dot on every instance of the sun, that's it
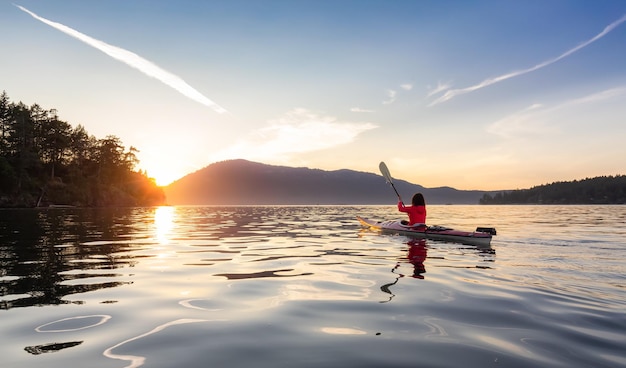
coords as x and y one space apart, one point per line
162 175
164 179
163 169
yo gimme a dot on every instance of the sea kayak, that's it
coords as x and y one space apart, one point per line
481 237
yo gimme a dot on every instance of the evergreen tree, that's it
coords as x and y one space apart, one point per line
43 160
599 190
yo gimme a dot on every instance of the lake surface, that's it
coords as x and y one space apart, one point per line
308 287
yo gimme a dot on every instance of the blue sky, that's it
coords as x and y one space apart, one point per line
468 94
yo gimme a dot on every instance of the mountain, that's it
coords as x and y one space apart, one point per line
241 182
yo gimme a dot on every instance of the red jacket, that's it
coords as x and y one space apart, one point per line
417 214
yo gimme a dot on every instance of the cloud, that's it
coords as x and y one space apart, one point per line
358 109
597 97
392 97
299 131
529 121
440 88
133 60
487 82
392 94
537 120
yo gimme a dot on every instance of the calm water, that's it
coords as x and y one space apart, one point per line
307 287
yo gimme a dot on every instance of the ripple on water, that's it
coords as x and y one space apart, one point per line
74 323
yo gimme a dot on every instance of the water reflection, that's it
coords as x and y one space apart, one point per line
463 256
261 274
416 255
163 223
74 323
46 255
138 360
52 347
49 254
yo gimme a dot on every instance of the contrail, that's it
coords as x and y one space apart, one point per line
487 82
135 61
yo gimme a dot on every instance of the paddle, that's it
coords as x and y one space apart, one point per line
387 175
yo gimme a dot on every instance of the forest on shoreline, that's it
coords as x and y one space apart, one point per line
44 161
598 190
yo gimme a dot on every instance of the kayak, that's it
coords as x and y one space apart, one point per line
482 236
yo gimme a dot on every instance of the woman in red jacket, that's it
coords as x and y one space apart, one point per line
417 210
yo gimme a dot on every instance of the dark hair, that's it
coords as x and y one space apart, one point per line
418 200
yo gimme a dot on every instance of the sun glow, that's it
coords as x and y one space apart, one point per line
164 179
163 174
164 167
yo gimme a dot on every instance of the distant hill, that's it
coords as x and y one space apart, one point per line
598 190
241 182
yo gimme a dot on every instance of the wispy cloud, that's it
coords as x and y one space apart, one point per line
538 119
298 131
391 94
440 88
487 82
133 60
358 109
528 121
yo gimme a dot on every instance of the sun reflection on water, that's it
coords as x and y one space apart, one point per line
163 223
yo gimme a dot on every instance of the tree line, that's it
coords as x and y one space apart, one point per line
45 161
598 190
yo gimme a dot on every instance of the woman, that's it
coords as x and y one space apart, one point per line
417 210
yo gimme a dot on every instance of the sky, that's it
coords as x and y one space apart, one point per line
485 95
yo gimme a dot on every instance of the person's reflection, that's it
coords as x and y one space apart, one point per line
416 255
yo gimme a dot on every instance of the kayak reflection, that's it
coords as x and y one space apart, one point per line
416 255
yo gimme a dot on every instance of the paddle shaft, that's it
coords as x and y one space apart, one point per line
394 189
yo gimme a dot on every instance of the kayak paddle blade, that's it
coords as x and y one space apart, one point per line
385 171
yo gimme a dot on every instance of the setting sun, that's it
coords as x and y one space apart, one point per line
163 179
165 168
163 174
